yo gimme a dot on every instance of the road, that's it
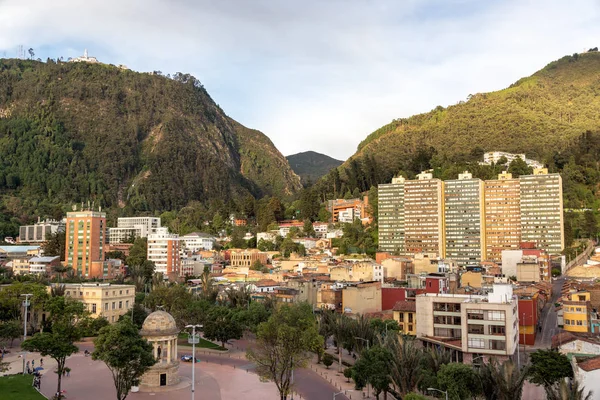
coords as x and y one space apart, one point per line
549 317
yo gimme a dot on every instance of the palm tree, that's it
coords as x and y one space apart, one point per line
362 328
57 290
209 291
407 363
567 389
340 327
502 381
59 270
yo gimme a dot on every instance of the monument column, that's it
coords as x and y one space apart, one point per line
168 351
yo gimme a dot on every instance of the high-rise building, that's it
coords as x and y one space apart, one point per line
424 215
85 240
391 216
502 216
542 210
163 250
132 227
464 219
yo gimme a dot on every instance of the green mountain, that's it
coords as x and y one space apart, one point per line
310 165
136 142
552 116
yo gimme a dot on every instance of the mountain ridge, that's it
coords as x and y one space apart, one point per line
311 165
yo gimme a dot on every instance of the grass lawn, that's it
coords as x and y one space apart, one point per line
18 387
205 344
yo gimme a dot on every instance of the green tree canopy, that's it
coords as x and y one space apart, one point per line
125 352
548 367
222 325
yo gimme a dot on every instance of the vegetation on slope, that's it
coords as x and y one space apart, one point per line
311 166
78 132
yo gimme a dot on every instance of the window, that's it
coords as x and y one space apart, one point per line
410 328
401 316
578 309
105 306
120 292
496 315
410 318
579 322
120 305
113 318
113 305
127 291
127 304
93 308
476 343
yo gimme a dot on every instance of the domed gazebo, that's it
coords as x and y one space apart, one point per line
160 330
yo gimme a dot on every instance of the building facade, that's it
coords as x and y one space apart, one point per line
424 215
390 198
163 250
103 299
37 233
85 241
464 220
502 216
247 257
197 241
542 210
132 227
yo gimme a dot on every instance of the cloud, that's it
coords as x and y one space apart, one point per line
314 75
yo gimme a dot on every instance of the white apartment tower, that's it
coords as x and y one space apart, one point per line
163 250
133 226
390 200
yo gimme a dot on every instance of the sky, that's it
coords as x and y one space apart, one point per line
314 74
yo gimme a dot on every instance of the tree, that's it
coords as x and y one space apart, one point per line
414 396
125 352
518 167
237 238
339 326
502 381
406 362
327 360
257 266
221 325
347 374
31 53
549 367
10 330
55 245
175 300
58 344
567 389
138 253
459 380
285 343
308 229
373 366
590 224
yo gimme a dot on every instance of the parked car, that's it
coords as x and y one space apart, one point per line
188 358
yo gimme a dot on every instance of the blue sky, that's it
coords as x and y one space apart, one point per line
314 74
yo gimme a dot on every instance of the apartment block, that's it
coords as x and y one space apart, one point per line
85 241
247 257
502 216
163 250
464 220
424 215
38 232
103 299
542 210
469 325
357 272
405 314
342 209
133 227
197 241
391 216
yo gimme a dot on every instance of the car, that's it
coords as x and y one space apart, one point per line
188 358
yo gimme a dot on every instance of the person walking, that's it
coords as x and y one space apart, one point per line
41 362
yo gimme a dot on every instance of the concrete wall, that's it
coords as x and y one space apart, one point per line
362 298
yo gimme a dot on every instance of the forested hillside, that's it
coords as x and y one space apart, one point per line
136 142
311 166
553 116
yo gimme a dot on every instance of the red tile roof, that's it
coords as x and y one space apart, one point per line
405 306
590 364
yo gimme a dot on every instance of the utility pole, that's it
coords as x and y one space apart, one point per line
194 340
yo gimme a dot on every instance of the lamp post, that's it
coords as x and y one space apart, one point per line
26 304
342 392
194 339
364 340
438 390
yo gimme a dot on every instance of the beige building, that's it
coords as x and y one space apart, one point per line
502 216
426 264
470 325
464 220
542 210
357 272
398 267
471 278
424 215
161 331
390 198
85 243
20 266
103 299
247 257
362 298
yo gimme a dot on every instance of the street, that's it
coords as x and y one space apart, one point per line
549 317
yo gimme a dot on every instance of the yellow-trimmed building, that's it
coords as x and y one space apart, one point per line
103 299
405 313
577 312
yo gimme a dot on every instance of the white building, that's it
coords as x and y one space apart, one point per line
163 250
133 226
40 265
495 156
38 232
470 325
348 215
197 241
267 236
320 229
85 58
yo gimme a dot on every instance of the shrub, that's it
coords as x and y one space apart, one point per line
327 360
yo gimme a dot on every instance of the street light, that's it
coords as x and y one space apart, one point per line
194 340
342 392
26 304
438 390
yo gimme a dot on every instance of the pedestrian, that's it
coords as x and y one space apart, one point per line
33 364
68 371
41 362
27 365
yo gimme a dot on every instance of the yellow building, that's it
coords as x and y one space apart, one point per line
471 278
405 313
502 216
85 241
362 298
426 264
20 266
103 299
577 312
357 272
